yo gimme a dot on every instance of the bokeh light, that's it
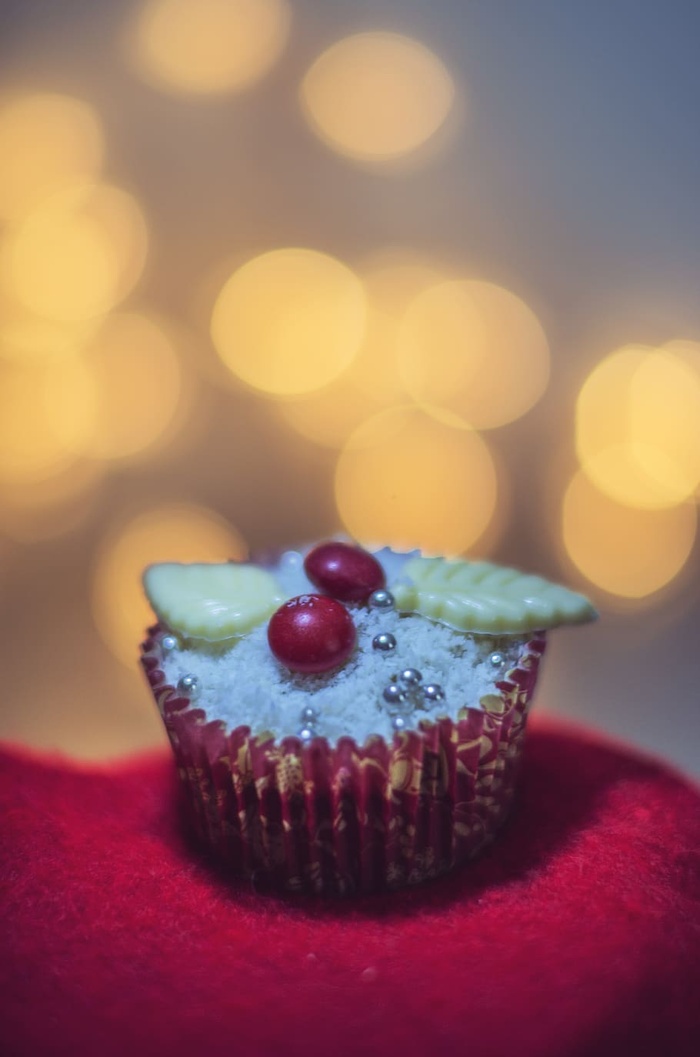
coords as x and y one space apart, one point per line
374 370
47 141
170 532
372 381
30 512
328 416
624 550
409 479
638 427
686 350
211 46
476 349
689 353
377 96
394 276
289 321
136 380
77 255
119 218
392 282
26 337
664 420
47 412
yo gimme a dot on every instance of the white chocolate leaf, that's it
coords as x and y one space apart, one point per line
213 602
483 597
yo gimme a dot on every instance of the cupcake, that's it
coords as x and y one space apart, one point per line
344 720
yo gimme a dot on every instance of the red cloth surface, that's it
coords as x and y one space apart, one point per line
577 933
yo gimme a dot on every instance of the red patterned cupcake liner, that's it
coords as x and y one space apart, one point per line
349 819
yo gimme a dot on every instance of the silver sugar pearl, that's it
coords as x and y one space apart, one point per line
291 559
411 677
433 692
393 694
384 641
381 599
497 659
306 734
308 716
398 723
188 684
168 643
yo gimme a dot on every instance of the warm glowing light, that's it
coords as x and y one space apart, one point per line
289 321
410 479
627 552
30 512
210 46
638 427
687 351
391 285
46 142
136 379
77 255
394 277
372 382
374 370
476 349
664 420
118 217
377 96
328 416
26 338
177 532
46 413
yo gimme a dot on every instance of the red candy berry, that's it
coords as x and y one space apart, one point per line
311 633
344 572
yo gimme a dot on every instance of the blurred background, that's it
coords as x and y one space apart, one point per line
424 271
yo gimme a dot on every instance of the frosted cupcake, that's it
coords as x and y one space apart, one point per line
348 721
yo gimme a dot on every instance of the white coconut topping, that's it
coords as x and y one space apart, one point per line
247 686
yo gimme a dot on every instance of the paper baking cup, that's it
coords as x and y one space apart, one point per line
349 819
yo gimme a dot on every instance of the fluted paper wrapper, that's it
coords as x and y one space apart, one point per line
349 819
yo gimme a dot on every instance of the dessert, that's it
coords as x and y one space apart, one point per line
346 721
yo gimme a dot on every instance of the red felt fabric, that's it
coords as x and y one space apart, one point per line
577 934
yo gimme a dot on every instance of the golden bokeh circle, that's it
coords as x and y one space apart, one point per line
208 47
289 321
136 379
664 420
180 532
474 348
77 254
626 551
371 382
411 479
638 426
47 141
377 96
47 413
392 281
119 218
686 350
27 338
328 416
30 512
394 276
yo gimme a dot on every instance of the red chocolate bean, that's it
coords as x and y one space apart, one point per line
311 633
343 571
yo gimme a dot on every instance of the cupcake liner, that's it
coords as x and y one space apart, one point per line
348 819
